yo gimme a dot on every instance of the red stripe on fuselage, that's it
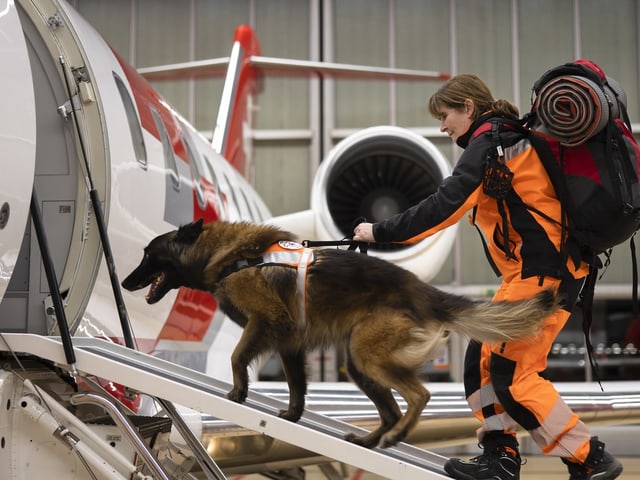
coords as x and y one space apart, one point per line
192 311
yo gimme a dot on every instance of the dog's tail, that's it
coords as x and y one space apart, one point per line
489 321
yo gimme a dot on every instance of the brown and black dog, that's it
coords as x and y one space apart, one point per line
389 321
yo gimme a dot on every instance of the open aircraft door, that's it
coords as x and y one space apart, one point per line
17 141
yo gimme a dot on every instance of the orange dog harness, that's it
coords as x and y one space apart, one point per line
285 253
295 255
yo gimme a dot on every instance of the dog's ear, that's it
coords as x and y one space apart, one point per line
190 232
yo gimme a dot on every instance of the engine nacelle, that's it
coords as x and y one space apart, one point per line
376 173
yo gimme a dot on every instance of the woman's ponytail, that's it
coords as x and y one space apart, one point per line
505 108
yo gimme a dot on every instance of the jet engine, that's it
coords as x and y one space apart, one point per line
374 174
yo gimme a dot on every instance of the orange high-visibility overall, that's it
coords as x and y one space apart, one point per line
502 381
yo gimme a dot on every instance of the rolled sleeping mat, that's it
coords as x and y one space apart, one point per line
572 109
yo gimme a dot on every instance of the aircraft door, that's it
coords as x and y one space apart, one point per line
17 141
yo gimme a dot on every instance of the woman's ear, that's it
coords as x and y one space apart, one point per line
469 107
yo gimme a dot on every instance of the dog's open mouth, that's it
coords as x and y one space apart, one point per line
155 288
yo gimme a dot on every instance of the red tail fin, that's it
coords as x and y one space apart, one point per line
242 81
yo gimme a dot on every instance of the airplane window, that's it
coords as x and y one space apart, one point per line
259 214
235 214
254 214
216 185
167 149
134 123
195 167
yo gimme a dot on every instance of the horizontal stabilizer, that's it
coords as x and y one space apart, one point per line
216 67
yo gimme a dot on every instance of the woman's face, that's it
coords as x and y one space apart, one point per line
455 122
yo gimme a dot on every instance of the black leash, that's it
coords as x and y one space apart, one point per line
351 244
345 242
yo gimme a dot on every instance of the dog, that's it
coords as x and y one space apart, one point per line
388 320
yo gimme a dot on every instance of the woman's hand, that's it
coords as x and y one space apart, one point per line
363 232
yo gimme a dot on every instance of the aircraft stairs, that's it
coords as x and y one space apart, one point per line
171 383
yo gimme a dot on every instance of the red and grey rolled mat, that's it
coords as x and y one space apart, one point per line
572 109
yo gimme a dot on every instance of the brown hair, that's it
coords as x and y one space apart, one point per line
466 86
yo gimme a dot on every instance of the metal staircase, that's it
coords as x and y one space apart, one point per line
173 383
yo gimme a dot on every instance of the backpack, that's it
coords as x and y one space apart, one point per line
579 127
583 113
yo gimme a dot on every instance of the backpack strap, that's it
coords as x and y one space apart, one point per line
497 181
586 304
634 262
632 244
556 175
555 170
484 128
493 265
503 176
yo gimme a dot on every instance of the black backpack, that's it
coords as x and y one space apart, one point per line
579 127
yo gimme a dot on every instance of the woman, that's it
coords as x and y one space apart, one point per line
502 382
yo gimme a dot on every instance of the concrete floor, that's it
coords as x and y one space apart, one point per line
621 441
536 468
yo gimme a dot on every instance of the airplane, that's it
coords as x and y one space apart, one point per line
95 164
117 146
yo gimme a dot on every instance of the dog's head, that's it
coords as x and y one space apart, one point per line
166 263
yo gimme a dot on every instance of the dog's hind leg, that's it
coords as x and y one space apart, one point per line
389 348
416 396
383 400
293 363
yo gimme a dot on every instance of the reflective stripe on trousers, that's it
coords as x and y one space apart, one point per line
504 387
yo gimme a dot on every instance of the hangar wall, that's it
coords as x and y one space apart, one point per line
509 43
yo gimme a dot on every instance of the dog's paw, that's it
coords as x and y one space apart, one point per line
292 416
358 440
352 438
237 395
388 441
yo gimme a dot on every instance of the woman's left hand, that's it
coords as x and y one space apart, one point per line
363 232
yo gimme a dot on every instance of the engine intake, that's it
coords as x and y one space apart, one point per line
375 173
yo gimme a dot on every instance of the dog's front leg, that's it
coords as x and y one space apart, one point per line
293 364
247 349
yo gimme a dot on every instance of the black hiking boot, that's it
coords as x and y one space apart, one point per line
599 465
500 460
